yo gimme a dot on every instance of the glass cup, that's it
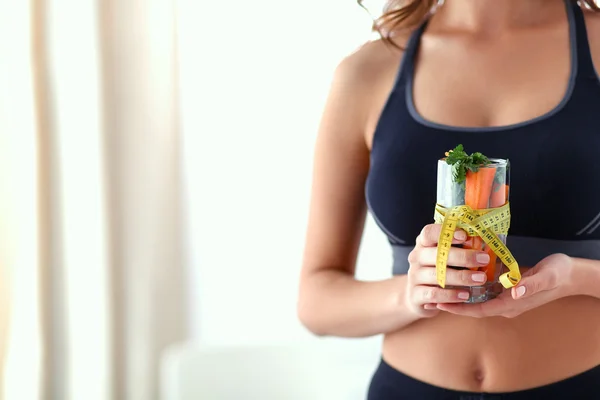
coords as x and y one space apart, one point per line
479 191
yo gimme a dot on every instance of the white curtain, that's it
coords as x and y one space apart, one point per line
91 222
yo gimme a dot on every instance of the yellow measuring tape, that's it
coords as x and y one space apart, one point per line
487 224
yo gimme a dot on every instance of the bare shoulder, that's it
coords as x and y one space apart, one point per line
592 19
369 64
367 76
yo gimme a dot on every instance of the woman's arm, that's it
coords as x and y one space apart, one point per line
585 279
554 277
331 300
333 303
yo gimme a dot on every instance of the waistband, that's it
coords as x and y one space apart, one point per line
388 383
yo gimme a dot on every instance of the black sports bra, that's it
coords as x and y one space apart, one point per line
555 164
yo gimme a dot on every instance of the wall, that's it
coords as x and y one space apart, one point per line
254 76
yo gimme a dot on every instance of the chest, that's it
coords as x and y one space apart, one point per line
472 82
554 180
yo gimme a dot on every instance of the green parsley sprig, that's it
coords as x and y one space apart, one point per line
464 162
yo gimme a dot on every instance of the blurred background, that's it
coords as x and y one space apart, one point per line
155 167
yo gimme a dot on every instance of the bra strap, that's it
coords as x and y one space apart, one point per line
585 63
408 59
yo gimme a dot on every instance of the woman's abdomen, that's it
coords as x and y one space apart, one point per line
545 345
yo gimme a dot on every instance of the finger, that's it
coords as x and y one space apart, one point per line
536 283
430 306
490 308
431 294
467 310
430 235
457 257
454 277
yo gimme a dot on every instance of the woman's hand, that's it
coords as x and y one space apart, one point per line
423 292
549 280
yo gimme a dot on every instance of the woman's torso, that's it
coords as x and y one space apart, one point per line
540 90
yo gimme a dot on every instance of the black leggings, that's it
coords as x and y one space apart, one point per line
391 384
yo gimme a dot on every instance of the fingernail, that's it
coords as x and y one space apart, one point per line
520 291
478 277
482 258
463 296
460 235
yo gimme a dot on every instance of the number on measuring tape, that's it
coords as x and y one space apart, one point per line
486 224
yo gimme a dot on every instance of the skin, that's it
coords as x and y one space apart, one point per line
554 328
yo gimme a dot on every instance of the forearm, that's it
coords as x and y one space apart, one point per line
586 277
333 303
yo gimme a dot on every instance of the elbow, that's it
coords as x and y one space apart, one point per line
310 316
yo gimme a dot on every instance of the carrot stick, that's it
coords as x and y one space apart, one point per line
498 198
478 188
